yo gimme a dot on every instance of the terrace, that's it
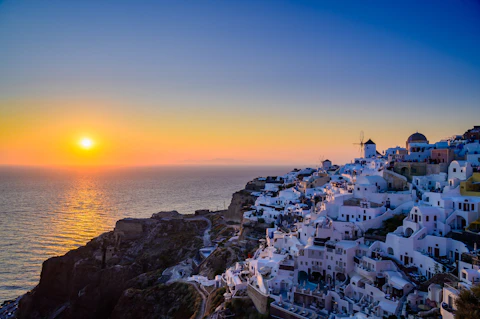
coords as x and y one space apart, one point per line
278 309
357 202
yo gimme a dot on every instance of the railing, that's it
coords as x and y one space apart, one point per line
455 287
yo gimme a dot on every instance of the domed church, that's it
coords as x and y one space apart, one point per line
416 138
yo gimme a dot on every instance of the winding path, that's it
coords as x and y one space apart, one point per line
201 313
203 293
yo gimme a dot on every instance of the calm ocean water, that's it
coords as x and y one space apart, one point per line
46 212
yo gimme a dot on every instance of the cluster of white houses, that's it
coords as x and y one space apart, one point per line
327 254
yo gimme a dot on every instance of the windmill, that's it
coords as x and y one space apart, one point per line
361 144
320 161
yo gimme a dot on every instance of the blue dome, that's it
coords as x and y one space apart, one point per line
417 138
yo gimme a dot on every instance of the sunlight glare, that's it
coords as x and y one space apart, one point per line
86 143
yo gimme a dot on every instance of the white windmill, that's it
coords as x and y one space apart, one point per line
361 144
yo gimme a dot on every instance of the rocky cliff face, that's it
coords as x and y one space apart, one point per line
177 301
117 271
240 201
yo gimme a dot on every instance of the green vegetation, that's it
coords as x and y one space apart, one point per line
244 308
468 303
217 298
282 187
261 220
389 226
176 301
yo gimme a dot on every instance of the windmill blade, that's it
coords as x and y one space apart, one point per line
361 137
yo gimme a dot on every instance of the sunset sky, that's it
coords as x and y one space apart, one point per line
224 82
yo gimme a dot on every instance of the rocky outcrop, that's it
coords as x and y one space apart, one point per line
122 265
241 201
118 274
178 301
218 261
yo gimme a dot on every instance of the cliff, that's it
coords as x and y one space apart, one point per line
119 274
240 203
116 274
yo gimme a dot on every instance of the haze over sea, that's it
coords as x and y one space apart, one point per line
47 212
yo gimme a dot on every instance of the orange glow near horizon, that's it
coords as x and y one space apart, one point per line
52 133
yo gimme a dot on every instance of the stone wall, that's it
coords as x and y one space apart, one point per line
437 168
129 228
409 169
259 300
395 181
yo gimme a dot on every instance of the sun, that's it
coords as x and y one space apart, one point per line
86 143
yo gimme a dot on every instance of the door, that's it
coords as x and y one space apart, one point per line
437 252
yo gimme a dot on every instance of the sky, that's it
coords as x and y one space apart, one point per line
231 82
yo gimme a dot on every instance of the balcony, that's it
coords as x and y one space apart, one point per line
447 307
364 271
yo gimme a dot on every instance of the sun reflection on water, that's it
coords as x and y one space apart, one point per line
47 213
85 213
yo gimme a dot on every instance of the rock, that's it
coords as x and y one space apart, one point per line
201 212
129 228
218 261
80 285
240 202
170 214
178 300
119 273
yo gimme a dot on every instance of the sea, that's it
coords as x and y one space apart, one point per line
46 212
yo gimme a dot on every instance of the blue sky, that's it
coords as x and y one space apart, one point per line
351 62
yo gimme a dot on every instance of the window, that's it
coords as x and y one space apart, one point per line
426 218
435 218
454 170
